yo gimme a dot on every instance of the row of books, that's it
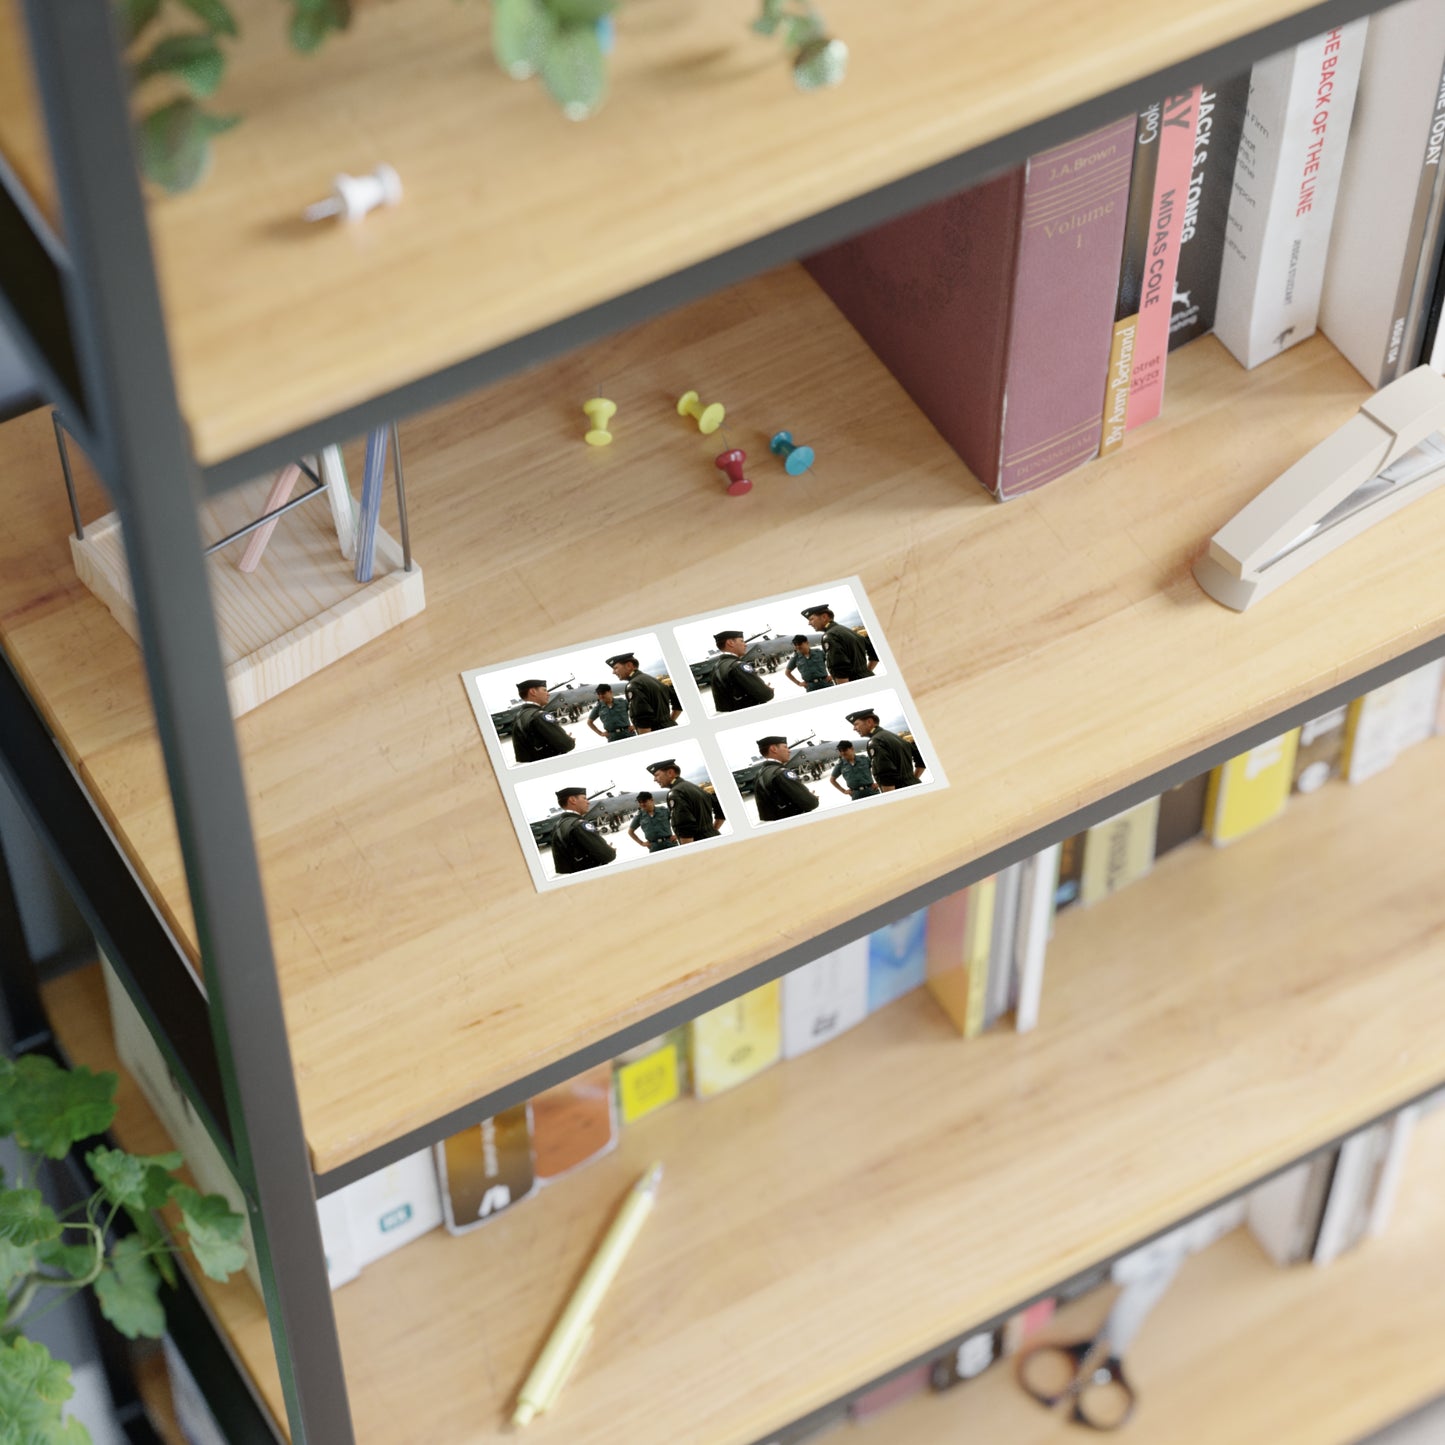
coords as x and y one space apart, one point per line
1031 317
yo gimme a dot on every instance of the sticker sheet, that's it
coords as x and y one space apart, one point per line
622 752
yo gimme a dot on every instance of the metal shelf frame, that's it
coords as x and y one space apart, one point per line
87 313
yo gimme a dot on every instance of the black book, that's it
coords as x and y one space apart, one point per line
1206 210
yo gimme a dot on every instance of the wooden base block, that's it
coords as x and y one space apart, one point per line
300 610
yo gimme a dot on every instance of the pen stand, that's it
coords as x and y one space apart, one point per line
298 611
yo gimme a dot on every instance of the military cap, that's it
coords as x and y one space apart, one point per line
765 743
665 763
564 793
622 657
816 607
528 683
863 712
801 637
719 638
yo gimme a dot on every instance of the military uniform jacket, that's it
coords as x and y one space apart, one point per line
892 759
648 703
691 809
857 775
537 735
577 846
812 670
613 718
780 793
847 656
736 685
655 827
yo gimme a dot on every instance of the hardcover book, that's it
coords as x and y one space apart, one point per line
896 962
573 1123
1321 750
1071 868
1386 720
651 1075
1037 892
1181 814
993 307
1129 291
1206 209
486 1169
1387 192
1118 851
1002 972
1251 790
737 1040
960 938
1180 116
889 1393
1286 180
825 998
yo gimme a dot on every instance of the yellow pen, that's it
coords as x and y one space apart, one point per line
571 1333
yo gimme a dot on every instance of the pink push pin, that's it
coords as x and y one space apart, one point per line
731 462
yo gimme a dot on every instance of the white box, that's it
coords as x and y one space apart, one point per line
825 998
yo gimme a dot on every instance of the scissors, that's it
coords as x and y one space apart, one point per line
1089 1374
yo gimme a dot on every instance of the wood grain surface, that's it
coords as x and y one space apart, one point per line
22 128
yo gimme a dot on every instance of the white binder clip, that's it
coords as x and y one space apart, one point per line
1390 453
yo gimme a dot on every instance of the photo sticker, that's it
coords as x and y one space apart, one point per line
622 811
780 651
843 752
576 702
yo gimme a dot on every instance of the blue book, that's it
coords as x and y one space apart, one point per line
896 963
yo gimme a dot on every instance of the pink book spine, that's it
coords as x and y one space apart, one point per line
1171 191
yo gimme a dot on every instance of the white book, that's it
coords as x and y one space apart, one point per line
1392 1167
1388 189
1283 1214
825 998
1000 988
1286 181
392 1207
1415 712
1342 1208
1387 720
1036 923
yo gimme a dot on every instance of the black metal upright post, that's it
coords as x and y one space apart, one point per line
144 455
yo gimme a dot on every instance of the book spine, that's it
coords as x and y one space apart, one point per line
1387 1184
1070 233
1171 190
1139 216
947 954
979 942
1037 913
1286 181
1001 949
1414 273
1206 210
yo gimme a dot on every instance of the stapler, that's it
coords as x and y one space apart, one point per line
1390 453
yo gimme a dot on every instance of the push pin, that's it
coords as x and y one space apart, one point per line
796 460
599 411
709 418
731 462
353 196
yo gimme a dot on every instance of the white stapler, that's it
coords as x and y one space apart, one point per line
1390 453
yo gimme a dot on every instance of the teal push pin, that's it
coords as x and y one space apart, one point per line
796 460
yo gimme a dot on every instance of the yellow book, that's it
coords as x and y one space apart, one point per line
734 1042
978 944
1251 790
945 954
650 1076
1118 851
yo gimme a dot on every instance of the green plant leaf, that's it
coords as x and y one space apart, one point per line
25 1218
134 1180
74 1261
156 1241
16 1261
128 1290
33 1389
581 12
313 20
214 1229
195 60
54 1108
175 145
820 63
135 15
804 30
215 15
574 70
522 31
769 17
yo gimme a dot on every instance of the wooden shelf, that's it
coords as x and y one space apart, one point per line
1057 647
847 1211
1242 1351
514 218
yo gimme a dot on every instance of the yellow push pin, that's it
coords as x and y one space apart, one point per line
709 418
599 411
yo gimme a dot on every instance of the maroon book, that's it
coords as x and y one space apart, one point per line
995 307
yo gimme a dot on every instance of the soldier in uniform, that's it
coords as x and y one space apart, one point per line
655 824
735 683
896 764
856 772
611 712
846 655
650 703
806 668
536 734
779 792
695 814
576 843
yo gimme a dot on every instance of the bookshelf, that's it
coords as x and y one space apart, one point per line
1087 664
22 129
1200 1031
396 850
